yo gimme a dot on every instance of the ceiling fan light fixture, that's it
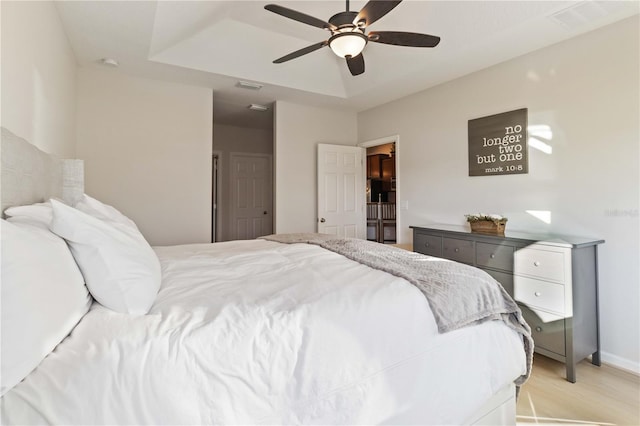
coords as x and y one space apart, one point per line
349 43
348 32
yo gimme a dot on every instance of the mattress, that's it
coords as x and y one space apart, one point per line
258 332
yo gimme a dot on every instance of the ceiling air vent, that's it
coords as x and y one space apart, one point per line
258 107
249 85
584 13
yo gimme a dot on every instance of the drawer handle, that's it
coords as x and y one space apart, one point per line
492 256
538 329
536 263
537 294
457 250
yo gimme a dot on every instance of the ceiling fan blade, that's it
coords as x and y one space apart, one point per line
400 38
374 10
299 16
356 64
301 52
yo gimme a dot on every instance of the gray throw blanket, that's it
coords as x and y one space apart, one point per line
459 295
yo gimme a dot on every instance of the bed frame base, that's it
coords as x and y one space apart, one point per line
500 409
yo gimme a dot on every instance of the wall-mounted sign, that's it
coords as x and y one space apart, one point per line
498 144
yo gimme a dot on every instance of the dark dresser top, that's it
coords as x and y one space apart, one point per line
550 239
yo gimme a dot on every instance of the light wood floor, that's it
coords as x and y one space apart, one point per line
602 395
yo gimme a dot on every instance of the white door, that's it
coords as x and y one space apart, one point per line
341 191
251 189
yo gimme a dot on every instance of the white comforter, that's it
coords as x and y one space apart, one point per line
256 332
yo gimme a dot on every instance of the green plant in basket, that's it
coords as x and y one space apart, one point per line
481 217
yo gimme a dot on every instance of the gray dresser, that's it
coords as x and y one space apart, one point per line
553 278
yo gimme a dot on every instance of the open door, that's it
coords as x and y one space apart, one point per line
341 191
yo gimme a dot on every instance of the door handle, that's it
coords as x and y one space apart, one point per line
322 220
264 212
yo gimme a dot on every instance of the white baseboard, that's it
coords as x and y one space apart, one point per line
621 363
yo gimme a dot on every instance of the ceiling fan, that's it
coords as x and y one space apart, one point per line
348 35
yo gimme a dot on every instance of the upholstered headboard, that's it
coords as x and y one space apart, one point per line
32 176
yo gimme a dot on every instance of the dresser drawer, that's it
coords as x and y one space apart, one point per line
430 245
547 330
503 278
539 273
540 263
458 250
494 256
539 294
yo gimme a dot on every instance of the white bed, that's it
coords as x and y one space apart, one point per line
259 332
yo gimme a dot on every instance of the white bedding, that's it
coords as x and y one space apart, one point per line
257 332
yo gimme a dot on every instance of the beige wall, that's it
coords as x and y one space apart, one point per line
298 130
587 90
228 139
38 77
147 151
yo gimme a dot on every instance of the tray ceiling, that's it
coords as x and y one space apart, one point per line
217 43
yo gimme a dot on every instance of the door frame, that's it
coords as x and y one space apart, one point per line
216 177
399 203
269 158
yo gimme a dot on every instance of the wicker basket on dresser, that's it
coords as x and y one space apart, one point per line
554 279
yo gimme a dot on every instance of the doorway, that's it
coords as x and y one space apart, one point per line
382 189
239 131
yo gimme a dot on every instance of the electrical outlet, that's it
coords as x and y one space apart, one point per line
404 205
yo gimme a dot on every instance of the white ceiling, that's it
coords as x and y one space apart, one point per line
216 43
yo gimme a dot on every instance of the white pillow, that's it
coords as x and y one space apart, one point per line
39 214
43 298
103 211
121 270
